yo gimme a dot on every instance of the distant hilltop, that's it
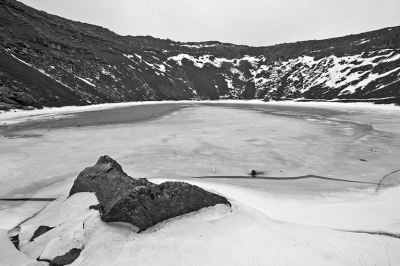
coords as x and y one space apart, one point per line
49 61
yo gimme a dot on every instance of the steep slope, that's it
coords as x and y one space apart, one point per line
46 60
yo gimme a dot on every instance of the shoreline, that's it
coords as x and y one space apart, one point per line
133 112
98 116
21 114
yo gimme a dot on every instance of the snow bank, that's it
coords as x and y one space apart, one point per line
328 104
67 218
375 213
18 116
249 233
9 255
245 235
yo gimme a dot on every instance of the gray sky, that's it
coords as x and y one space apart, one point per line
250 22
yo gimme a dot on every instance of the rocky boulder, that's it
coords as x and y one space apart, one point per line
67 258
138 201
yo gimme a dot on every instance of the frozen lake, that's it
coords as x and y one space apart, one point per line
317 197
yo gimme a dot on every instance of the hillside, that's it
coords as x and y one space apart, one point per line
46 60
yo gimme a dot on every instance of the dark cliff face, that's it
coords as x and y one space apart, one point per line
46 60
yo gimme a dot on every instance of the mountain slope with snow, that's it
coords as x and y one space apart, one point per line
46 60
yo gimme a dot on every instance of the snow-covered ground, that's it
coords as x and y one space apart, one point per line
17 116
272 222
260 228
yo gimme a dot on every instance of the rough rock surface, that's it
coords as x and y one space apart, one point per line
67 258
47 61
138 201
40 231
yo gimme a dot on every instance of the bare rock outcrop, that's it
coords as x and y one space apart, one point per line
49 61
138 201
67 258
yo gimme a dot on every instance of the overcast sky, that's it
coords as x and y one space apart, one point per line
250 22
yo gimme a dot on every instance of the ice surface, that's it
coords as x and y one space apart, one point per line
336 209
308 221
245 236
67 217
18 116
54 215
9 255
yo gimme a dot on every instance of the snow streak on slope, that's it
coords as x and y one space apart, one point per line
306 77
99 66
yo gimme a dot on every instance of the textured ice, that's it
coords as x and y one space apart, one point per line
67 217
9 255
245 236
274 222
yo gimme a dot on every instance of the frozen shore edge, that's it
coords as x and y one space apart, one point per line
17 116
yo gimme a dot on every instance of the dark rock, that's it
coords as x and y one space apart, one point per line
67 258
138 201
40 231
97 207
106 178
15 241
